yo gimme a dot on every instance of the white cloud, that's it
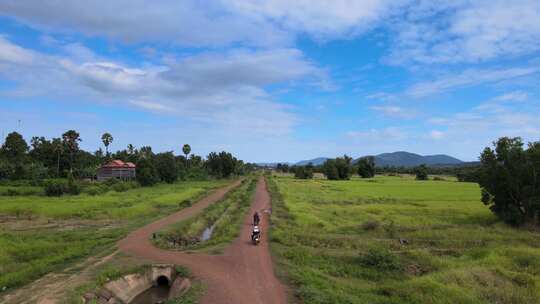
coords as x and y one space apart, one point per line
12 53
513 96
435 134
195 23
321 19
223 90
384 134
466 31
468 78
394 111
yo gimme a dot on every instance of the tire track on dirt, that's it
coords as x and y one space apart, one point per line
242 274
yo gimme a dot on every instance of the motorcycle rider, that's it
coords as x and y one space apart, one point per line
256 218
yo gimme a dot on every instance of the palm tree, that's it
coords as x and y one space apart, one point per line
59 149
71 139
186 149
107 139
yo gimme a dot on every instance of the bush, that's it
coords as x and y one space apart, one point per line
73 188
304 172
439 179
94 190
339 168
123 186
366 167
12 192
55 188
370 225
110 182
381 259
421 172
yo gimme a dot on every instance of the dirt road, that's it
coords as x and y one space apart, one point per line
243 274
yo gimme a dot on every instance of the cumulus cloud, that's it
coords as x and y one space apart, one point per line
220 89
195 23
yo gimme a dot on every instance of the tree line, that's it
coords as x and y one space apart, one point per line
62 157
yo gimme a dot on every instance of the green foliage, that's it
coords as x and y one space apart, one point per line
421 172
222 164
381 259
166 167
147 174
182 271
14 148
510 180
303 172
55 187
186 149
338 169
107 139
123 186
366 167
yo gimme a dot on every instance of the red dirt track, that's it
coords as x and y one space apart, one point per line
243 274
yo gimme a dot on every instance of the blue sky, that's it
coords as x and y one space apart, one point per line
273 80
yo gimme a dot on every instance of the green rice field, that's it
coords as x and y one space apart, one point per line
398 240
39 234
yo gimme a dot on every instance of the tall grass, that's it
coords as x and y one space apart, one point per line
397 240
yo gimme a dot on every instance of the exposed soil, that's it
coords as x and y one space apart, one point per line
242 274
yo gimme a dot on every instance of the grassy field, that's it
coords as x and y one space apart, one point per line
225 216
39 234
397 240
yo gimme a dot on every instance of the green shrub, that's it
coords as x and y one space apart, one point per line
110 181
381 259
55 188
94 190
12 192
73 188
121 187
370 225
182 271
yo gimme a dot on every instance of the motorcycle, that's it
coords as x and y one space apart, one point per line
256 235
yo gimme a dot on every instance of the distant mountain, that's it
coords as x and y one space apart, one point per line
316 161
270 165
407 159
400 159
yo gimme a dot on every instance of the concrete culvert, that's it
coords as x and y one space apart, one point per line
162 281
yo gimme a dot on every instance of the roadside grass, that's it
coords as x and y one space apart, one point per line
225 216
20 190
27 254
397 240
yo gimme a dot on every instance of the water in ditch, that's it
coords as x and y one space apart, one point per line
207 233
153 295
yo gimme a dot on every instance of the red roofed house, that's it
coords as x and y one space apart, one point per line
116 169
